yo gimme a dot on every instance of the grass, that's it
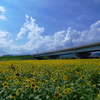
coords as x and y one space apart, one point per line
12 58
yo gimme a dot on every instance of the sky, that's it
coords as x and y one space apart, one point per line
36 26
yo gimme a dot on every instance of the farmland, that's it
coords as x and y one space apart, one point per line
77 79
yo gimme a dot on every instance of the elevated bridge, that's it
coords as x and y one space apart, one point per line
81 51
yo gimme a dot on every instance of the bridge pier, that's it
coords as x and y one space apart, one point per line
38 58
83 55
45 57
53 56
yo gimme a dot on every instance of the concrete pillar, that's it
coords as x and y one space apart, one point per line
38 58
83 55
53 56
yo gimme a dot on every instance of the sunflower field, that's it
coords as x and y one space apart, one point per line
77 79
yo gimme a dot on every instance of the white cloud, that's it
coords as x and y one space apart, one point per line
21 33
62 39
5 42
95 31
95 25
37 42
2 12
3 34
30 28
4 38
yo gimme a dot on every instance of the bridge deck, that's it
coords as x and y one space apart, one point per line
84 48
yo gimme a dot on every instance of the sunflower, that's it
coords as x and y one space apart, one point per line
32 84
19 90
24 84
89 83
39 83
83 77
28 81
13 95
46 81
65 77
59 89
60 71
57 95
34 73
5 84
33 80
65 90
11 77
15 77
26 87
55 80
69 90
36 88
5 87
17 74
78 72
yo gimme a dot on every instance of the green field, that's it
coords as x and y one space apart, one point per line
20 57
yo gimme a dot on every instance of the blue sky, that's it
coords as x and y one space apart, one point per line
31 26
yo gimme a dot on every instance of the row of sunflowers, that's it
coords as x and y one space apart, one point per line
77 79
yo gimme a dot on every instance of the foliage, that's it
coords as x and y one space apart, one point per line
77 79
20 57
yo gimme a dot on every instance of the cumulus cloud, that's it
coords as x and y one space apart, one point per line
4 38
21 33
5 42
37 42
30 28
2 12
63 39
